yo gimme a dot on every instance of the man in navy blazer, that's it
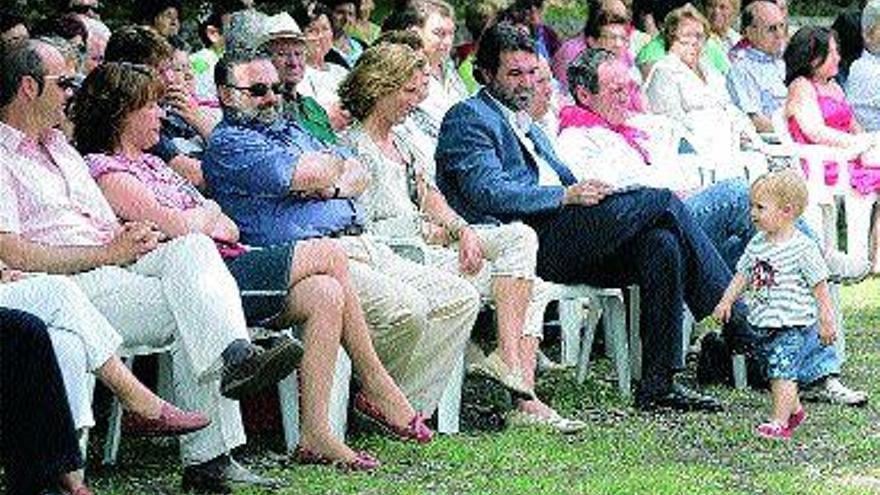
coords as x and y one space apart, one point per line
494 165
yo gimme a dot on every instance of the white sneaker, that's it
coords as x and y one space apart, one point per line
845 268
833 391
554 421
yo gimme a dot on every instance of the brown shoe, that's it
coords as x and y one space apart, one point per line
261 369
171 421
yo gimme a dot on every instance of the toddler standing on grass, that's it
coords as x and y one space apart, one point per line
785 275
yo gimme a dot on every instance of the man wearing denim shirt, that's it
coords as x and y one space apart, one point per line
756 80
281 185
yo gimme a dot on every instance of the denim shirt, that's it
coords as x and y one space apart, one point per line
249 168
756 82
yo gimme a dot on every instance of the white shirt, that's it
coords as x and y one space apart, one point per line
600 153
520 122
322 85
703 107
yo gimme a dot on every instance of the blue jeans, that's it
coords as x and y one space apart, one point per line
722 210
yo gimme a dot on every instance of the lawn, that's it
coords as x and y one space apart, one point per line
623 452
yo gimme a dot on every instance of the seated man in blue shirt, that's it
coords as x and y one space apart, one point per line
863 83
493 165
756 80
280 185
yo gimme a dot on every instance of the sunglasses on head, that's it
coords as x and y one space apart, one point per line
65 82
261 89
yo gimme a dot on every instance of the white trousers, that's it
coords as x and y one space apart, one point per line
181 293
420 317
82 338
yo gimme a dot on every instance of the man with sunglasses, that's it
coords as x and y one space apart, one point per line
281 184
756 80
53 218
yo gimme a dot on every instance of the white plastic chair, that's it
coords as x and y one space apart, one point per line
822 212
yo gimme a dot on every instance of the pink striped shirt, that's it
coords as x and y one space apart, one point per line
48 196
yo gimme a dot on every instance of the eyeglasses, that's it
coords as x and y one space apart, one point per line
65 82
778 28
260 89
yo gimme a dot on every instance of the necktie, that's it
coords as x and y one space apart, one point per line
545 151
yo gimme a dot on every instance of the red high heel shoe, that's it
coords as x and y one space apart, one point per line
415 430
363 461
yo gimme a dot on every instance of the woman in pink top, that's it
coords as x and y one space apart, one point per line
817 112
117 117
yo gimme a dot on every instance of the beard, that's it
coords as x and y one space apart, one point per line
266 115
517 99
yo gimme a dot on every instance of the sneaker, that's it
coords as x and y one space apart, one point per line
773 431
553 422
845 268
796 419
833 391
495 369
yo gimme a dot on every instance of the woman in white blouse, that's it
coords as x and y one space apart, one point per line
689 91
386 84
321 78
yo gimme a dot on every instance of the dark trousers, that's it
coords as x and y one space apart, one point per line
646 237
37 437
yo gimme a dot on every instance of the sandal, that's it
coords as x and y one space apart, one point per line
363 461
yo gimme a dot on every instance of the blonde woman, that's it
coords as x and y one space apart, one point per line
386 84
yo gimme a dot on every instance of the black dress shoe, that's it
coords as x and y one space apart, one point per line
262 368
678 398
220 477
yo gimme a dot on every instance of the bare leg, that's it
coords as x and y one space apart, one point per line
785 400
512 297
528 351
325 256
133 394
317 301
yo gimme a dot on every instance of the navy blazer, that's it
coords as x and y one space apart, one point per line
484 171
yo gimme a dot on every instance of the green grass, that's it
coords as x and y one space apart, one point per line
622 452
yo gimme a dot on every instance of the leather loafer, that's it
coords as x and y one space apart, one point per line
199 479
171 421
262 368
678 398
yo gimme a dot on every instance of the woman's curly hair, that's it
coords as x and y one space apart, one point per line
379 72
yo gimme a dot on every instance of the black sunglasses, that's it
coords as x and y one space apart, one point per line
260 89
65 82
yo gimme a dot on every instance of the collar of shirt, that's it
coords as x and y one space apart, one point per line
873 57
521 122
760 56
15 141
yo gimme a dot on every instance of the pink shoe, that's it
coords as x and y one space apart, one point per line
796 419
82 490
415 430
773 431
171 422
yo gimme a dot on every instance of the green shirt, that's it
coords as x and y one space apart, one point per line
466 72
309 114
713 53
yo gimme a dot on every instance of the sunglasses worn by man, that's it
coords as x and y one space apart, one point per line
260 89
